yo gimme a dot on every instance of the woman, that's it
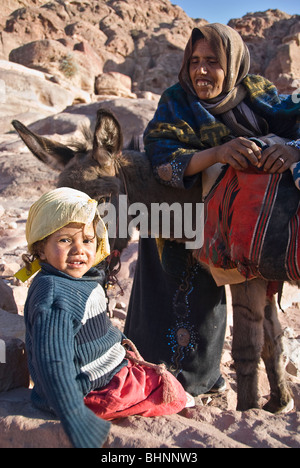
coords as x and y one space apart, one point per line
217 114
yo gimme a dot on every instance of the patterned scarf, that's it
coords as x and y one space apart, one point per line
182 126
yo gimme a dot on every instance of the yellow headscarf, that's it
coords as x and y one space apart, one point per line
57 209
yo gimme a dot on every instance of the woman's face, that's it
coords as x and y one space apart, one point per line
206 73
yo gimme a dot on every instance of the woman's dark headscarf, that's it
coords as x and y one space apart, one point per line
232 54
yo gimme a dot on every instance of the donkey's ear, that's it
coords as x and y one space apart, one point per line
50 152
108 137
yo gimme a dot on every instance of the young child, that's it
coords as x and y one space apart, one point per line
78 360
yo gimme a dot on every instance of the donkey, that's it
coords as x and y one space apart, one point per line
104 170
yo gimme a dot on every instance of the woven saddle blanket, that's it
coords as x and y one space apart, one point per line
252 227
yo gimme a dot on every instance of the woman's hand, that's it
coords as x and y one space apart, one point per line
278 158
238 153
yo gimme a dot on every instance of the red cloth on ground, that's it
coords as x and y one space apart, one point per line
135 390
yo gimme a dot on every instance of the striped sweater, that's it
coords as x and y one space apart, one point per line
72 349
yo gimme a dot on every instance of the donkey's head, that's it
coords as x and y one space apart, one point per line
91 166
100 149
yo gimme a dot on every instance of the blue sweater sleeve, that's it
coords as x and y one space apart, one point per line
53 351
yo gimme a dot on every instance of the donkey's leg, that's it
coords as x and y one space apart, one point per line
248 301
281 400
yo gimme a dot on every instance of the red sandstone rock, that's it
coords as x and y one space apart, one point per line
144 40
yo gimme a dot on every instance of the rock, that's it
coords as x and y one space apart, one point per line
26 91
292 351
76 63
24 179
142 40
20 294
89 33
133 114
272 37
11 242
7 301
12 325
9 269
23 426
284 67
290 296
114 84
14 370
121 305
119 314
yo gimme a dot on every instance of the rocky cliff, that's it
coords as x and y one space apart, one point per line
76 41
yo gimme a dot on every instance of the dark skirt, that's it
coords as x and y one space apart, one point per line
177 315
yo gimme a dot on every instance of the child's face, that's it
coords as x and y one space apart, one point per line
71 249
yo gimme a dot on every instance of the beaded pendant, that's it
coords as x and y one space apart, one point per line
182 337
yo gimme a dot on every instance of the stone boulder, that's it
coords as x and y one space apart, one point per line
114 84
13 371
13 363
292 351
28 95
7 301
272 37
133 115
23 426
284 68
76 63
